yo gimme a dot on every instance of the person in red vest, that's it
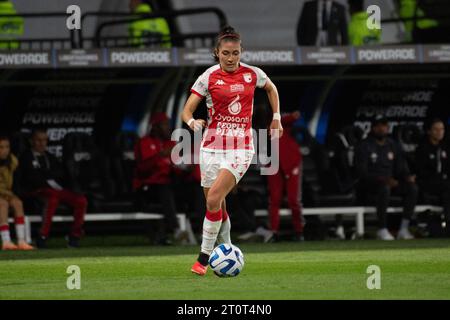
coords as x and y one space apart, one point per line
287 178
153 174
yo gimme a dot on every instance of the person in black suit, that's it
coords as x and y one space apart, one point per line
322 23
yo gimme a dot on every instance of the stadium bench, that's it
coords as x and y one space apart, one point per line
418 208
185 225
358 212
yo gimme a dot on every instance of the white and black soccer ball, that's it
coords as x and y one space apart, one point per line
226 260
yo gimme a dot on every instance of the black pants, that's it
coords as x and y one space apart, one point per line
380 192
440 188
162 194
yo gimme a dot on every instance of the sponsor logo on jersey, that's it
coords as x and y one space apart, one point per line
235 107
237 87
247 77
220 82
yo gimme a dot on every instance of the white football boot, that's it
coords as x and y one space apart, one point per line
384 234
404 234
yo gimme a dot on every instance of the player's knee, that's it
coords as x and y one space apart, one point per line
213 201
16 203
3 204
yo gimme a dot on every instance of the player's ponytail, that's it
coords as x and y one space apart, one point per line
226 34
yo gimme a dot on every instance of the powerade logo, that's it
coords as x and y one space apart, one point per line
17 59
269 56
374 55
140 58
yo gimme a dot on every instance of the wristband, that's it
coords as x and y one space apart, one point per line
276 116
190 122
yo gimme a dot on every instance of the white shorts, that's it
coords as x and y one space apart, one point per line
235 161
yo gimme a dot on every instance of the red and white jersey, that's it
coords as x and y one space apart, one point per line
229 98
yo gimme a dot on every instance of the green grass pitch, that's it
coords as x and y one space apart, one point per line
418 269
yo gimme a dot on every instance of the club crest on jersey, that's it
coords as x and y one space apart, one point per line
235 107
247 77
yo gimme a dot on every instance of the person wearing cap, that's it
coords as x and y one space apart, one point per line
382 171
433 166
153 171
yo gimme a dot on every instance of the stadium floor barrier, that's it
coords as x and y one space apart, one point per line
185 225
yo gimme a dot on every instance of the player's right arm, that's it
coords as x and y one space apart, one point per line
188 113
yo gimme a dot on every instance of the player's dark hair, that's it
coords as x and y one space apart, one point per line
430 123
226 34
4 137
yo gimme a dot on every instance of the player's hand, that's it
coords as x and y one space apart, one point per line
276 129
296 114
411 179
197 125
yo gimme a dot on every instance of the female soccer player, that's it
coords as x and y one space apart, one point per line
8 164
227 145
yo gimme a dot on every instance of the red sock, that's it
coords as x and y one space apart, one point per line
19 220
214 216
224 216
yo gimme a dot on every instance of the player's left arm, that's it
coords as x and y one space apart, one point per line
276 129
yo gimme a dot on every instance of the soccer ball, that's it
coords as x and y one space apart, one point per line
226 260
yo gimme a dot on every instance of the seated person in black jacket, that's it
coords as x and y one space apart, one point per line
42 176
433 165
382 169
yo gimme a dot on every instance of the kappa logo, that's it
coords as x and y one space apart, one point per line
220 82
247 77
